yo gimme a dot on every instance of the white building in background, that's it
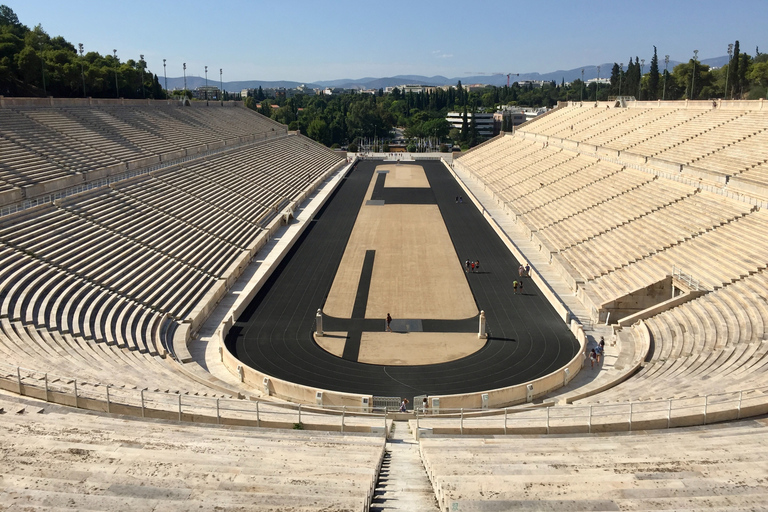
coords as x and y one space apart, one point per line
515 116
417 88
483 122
406 88
535 84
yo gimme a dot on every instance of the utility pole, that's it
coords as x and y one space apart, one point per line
141 66
597 84
82 72
165 76
693 75
621 72
42 66
666 63
117 88
730 53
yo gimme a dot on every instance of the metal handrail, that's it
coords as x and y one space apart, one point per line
688 279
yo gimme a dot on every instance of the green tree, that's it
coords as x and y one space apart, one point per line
29 64
694 86
9 19
745 62
758 74
733 72
490 98
473 135
461 99
318 130
437 127
653 77
464 126
362 118
616 79
284 115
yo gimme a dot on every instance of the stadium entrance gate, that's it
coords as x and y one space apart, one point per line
419 403
389 403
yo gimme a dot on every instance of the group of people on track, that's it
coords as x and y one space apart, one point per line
472 266
522 271
517 285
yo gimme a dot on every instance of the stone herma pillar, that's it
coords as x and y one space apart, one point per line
481 332
319 323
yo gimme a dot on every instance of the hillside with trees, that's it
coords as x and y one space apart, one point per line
32 63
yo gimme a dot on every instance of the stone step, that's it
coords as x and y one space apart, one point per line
403 483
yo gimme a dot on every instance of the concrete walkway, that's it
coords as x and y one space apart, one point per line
403 482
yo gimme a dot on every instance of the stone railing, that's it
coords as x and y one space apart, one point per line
144 403
614 417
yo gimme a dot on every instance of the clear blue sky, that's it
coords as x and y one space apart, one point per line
307 41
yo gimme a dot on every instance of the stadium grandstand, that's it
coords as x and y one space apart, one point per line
175 278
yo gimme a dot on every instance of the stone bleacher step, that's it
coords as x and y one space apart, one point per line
23 409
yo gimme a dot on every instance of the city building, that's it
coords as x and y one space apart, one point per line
535 84
483 122
509 117
211 93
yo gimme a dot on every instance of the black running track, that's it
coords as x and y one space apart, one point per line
527 339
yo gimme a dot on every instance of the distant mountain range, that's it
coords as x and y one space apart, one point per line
194 82
378 83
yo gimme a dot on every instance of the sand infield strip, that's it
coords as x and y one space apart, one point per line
404 176
406 348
